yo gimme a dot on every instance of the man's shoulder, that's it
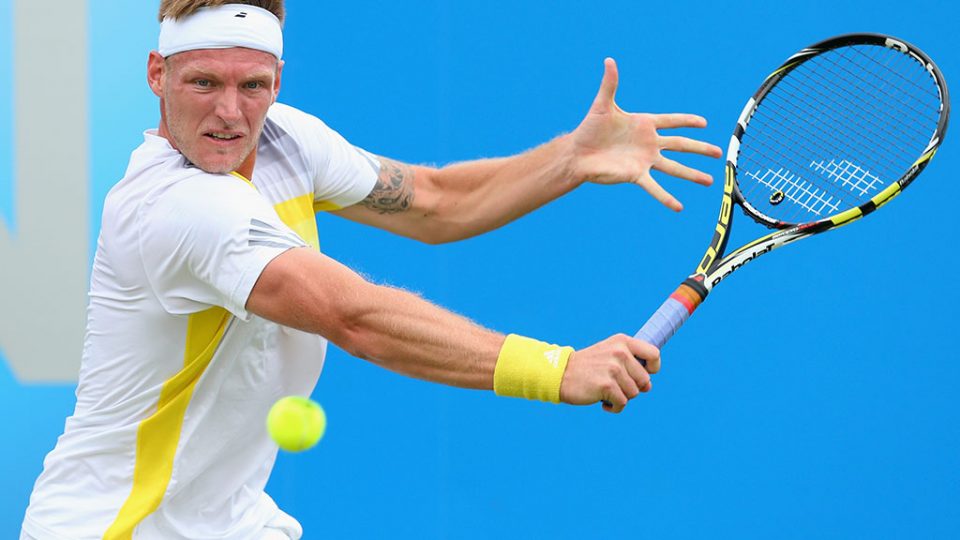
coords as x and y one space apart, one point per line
156 171
282 111
294 120
155 159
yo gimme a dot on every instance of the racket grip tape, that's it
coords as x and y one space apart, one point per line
675 311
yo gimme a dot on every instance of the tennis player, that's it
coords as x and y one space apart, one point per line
210 299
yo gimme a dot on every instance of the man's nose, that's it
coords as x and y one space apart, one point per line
228 106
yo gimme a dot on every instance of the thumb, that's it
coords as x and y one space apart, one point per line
608 86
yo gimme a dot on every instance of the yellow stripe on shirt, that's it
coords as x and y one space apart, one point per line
159 434
325 206
298 214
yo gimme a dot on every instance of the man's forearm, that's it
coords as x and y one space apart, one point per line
478 196
393 328
398 330
404 333
465 199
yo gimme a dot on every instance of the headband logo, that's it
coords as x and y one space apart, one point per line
241 15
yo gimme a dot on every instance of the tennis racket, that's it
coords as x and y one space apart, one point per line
836 132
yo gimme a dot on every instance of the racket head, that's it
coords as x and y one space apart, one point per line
836 131
855 99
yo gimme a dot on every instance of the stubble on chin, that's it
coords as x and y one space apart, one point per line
213 163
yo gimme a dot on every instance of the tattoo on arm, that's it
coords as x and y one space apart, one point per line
394 190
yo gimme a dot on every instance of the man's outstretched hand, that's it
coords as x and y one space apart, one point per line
612 146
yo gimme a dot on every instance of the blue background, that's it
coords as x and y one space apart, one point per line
814 395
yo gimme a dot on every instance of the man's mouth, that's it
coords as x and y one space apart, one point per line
219 136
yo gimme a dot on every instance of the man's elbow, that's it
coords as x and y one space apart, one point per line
435 234
350 324
443 226
351 338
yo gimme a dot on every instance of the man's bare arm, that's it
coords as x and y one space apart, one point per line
309 291
400 331
395 189
609 146
465 199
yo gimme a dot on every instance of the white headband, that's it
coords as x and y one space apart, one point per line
222 27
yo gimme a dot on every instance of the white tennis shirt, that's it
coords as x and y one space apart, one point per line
168 438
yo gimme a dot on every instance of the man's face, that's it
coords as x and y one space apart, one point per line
214 102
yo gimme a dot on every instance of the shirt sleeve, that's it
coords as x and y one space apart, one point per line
205 240
342 174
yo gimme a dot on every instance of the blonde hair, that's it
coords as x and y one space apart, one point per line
176 9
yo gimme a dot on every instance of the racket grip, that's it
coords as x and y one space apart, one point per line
665 322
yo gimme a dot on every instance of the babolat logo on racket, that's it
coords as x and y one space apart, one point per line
752 256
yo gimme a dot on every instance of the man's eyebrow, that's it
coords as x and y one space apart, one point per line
259 75
198 72
201 72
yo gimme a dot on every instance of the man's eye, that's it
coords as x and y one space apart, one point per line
253 85
203 83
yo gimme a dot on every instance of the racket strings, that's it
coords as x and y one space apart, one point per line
807 135
926 89
787 179
831 195
888 81
835 131
886 128
845 99
875 112
782 126
901 91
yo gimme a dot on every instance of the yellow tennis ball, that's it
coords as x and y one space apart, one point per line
296 423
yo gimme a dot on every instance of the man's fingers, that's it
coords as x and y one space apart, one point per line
657 192
644 351
609 372
690 146
680 170
640 376
608 86
678 120
614 399
629 385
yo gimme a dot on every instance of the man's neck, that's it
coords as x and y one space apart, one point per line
246 168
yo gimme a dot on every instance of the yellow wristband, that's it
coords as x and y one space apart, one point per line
530 369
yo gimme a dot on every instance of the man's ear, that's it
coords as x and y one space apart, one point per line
156 66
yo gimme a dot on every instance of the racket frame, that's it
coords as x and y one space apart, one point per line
715 266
